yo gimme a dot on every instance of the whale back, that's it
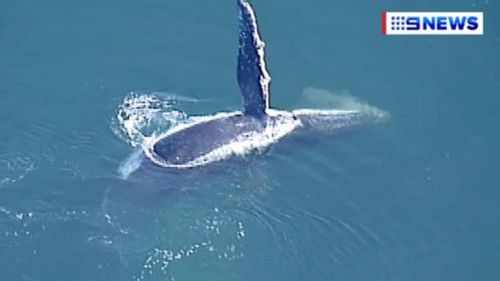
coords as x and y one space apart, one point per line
253 78
202 138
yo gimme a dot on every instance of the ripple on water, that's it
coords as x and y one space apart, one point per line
320 207
162 231
216 239
44 146
14 167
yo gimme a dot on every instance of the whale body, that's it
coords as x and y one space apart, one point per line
257 126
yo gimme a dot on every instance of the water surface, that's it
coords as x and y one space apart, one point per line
415 198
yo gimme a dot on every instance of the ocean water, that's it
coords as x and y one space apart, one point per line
82 82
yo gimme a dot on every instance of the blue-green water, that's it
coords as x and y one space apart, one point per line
415 198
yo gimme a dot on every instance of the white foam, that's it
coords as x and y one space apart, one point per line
143 114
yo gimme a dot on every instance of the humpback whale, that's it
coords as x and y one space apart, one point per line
256 126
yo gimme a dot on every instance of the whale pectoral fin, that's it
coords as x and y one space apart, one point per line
253 77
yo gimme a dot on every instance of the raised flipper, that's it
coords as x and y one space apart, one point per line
253 78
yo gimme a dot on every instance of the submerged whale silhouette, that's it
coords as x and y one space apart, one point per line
222 135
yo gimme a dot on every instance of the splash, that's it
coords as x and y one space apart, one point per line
141 115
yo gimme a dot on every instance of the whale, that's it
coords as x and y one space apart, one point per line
257 125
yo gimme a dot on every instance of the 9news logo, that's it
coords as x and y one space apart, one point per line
432 23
